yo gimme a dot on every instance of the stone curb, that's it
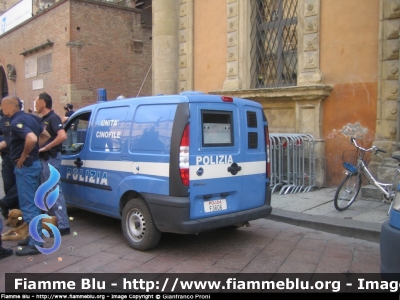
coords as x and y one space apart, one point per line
346 227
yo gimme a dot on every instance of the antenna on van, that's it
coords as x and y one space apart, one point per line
101 95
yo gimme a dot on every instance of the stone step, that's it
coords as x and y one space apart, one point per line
389 162
370 192
386 173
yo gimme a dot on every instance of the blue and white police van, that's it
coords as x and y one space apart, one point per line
186 164
390 241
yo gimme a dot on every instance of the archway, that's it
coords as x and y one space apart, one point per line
3 83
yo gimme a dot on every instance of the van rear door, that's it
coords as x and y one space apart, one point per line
227 157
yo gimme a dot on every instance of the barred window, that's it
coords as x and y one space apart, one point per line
274 43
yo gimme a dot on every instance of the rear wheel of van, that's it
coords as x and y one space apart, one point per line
138 225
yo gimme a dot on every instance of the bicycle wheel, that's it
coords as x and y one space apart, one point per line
347 191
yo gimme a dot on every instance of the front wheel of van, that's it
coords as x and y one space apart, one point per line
138 225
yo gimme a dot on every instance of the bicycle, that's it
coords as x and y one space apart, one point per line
355 165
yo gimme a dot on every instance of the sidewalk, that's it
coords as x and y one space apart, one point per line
315 209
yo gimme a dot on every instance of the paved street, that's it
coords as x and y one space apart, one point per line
266 247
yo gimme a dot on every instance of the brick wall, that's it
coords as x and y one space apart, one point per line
95 45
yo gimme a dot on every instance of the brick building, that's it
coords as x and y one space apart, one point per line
71 48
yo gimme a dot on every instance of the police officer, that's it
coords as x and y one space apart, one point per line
27 135
51 154
68 112
10 200
72 133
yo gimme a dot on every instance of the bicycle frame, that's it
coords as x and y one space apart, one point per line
387 189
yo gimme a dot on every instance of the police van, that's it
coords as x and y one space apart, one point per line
390 241
186 164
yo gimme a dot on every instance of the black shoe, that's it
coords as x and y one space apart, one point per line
24 242
63 231
5 252
28 250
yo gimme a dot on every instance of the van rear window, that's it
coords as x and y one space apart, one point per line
217 128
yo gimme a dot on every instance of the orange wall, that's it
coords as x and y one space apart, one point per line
210 44
349 41
348 104
349 62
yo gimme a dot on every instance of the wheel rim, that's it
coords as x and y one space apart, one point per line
349 192
136 225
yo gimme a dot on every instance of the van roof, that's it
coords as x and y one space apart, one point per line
184 97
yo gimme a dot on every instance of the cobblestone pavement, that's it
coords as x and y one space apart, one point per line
96 245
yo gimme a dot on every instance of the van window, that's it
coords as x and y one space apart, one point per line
217 128
108 129
252 137
152 128
76 134
251 119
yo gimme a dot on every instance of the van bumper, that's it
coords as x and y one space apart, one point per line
390 249
171 214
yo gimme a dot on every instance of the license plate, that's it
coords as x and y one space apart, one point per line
215 205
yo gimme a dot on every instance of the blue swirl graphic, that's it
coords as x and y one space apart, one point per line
40 202
35 235
45 187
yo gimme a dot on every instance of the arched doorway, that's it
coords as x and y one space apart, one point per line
3 83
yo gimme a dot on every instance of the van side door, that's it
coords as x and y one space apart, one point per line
73 152
108 164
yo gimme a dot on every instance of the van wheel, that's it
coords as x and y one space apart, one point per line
138 226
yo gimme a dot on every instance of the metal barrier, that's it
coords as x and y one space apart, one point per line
292 160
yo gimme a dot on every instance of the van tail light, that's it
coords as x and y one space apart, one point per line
267 144
184 156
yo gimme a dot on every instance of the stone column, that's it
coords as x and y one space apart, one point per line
238 45
165 46
186 11
388 90
308 42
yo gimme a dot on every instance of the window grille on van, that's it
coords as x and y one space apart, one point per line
217 128
251 119
273 43
252 140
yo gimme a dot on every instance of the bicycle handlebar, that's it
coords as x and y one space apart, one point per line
373 148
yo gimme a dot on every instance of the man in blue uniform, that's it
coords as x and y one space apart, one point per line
27 135
51 154
10 200
72 134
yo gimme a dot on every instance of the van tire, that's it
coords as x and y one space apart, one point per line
138 225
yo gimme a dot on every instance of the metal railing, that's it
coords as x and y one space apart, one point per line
292 159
